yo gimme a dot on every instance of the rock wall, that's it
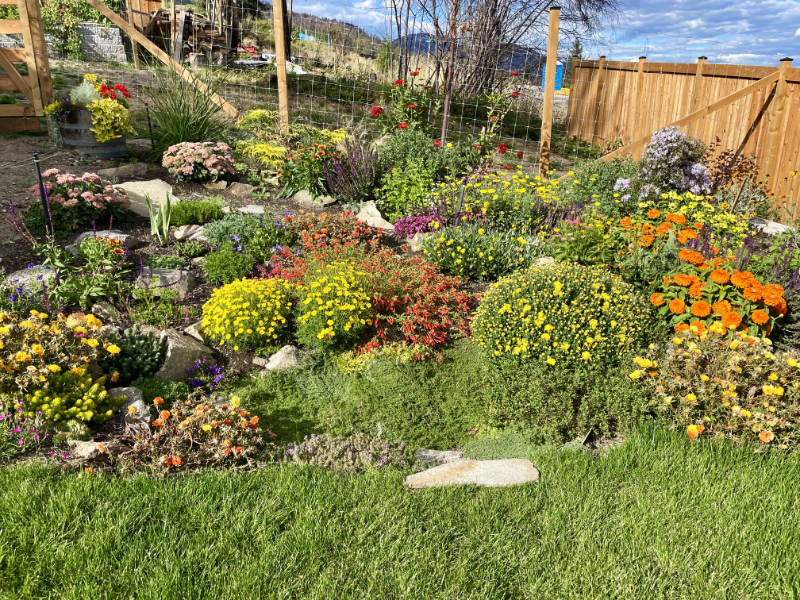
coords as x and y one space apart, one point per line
98 43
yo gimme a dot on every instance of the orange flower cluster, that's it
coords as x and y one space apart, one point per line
658 225
712 296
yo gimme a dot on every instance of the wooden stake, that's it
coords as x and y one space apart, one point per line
697 88
134 46
280 64
549 92
185 73
777 130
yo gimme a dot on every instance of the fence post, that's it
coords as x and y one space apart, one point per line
776 131
280 64
639 126
549 92
134 45
599 85
697 91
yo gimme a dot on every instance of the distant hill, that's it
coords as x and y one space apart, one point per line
514 57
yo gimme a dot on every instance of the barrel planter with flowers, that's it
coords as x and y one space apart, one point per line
94 118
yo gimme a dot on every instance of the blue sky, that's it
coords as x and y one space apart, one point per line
745 32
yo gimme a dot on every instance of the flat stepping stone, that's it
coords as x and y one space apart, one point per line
483 473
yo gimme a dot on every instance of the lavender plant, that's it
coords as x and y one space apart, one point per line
353 176
671 161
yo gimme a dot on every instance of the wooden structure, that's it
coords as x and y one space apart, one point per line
747 107
549 91
36 86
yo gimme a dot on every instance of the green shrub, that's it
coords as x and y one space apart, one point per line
405 190
266 238
226 265
234 227
473 252
165 261
140 355
605 186
162 310
334 308
565 314
251 313
190 248
195 212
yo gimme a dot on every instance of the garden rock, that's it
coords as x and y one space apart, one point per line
165 279
127 171
156 189
130 241
30 279
773 228
544 261
241 190
133 411
251 209
215 185
285 358
483 473
82 451
425 455
106 312
304 198
260 361
415 243
370 215
195 330
182 352
190 232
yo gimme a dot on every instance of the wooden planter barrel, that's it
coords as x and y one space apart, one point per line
75 128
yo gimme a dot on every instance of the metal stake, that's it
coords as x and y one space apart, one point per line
45 206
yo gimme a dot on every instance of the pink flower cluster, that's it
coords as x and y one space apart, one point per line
199 161
89 190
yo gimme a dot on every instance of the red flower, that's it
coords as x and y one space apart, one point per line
399 81
104 90
514 73
411 106
509 167
414 73
478 147
403 125
515 94
437 143
520 154
502 148
376 111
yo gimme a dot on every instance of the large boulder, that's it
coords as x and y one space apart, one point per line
370 215
158 280
182 352
483 473
156 189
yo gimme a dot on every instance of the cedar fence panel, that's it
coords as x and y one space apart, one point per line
612 101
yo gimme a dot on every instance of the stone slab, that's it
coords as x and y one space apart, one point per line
483 473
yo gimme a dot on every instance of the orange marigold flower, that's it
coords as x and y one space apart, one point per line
694 430
679 327
759 317
625 222
646 241
663 227
766 436
683 280
696 290
157 423
657 299
721 307
691 256
227 443
253 421
690 234
731 319
165 414
243 413
653 213
782 308
771 296
166 460
677 306
237 449
718 262
177 461
698 226
704 267
647 228
676 218
158 400
720 276
752 293
742 279
697 327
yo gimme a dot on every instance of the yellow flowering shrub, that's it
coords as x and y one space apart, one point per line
39 347
73 395
740 388
248 313
335 307
565 313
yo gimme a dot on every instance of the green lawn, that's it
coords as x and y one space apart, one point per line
658 517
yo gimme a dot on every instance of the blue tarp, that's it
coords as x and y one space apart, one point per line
559 75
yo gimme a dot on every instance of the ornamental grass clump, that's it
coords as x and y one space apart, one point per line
199 161
249 313
335 308
566 313
739 388
710 295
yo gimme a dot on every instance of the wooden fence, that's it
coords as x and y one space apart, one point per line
34 80
748 108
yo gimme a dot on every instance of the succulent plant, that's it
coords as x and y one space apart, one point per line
140 355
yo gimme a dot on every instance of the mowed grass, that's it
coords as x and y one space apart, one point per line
657 517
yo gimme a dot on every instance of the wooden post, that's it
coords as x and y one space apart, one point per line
641 113
134 46
777 130
698 89
448 79
598 91
549 92
280 64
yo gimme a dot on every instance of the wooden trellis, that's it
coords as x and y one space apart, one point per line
36 86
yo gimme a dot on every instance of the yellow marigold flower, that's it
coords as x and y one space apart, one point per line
37 349
54 368
112 349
